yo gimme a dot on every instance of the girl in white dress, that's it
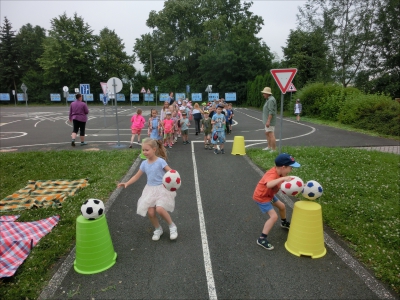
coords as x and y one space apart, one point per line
155 199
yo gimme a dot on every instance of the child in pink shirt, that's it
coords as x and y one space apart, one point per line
168 125
137 126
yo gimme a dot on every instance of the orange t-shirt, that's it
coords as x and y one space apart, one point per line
263 194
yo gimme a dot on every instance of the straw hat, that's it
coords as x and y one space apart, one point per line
267 90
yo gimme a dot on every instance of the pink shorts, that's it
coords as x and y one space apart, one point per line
136 131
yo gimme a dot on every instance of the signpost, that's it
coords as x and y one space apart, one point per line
115 84
283 78
66 94
24 88
15 100
143 91
130 96
291 89
156 89
208 90
148 97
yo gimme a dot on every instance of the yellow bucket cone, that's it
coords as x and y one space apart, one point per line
142 155
238 146
94 249
306 233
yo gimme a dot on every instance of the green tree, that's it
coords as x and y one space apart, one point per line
309 53
69 53
29 41
348 29
8 57
112 58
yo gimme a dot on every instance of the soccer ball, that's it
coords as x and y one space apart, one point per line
172 180
312 190
92 209
292 187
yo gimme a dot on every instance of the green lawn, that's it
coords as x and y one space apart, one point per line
360 200
103 168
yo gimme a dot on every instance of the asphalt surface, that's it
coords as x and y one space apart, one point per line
215 255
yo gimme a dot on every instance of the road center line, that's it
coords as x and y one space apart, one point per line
212 293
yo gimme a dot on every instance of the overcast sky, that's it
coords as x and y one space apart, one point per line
128 18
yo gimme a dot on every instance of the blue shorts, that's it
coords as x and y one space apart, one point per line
220 139
267 206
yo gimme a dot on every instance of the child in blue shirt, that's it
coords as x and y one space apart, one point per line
218 121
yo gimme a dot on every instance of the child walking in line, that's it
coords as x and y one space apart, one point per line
168 125
264 195
155 198
218 122
185 128
137 125
206 128
154 126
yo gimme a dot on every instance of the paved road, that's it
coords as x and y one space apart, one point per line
215 255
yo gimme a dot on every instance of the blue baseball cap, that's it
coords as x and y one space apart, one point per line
285 159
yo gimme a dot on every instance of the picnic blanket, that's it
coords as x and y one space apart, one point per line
42 193
18 238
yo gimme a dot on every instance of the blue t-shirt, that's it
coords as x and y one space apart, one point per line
219 120
228 115
154 171
184 124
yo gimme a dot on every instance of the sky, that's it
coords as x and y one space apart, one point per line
128 18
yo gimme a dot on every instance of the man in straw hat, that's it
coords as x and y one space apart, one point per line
269 118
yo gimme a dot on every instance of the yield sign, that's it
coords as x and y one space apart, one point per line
104 87
283 78
292 88
143 90
148 91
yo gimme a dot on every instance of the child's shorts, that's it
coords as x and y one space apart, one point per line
267 206
136 131
220 139
167 135
185 132
207 132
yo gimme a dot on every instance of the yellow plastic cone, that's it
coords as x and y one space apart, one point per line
306 233
94 249
238 146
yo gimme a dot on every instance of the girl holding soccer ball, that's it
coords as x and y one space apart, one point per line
155 199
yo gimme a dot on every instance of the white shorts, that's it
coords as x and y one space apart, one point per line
270 129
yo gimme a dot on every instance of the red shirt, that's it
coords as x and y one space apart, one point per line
263 194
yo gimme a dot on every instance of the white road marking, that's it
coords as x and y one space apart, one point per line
2 124
212 293
12 137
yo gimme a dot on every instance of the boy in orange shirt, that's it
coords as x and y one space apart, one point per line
264 195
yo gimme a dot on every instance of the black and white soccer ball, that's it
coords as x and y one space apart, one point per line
92 209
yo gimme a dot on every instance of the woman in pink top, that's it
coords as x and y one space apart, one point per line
78 112
137 126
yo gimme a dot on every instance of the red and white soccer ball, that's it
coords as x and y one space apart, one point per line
172 180
292 187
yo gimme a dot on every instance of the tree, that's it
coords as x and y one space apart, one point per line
309 53
200 42
112 58
69 53
348 28
8 57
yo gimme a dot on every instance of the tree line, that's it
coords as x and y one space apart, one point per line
349 42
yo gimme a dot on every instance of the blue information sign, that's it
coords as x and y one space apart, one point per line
149 97
20 97
197 96
213 96
71 98
134 97
180 96
230 96
84 88
120 97
164 97
4 97
101 97
88 97
55 97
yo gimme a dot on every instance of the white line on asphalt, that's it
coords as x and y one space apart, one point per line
212 293
373 284
12 137
2 124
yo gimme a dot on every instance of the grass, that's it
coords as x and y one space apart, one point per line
360 200
103 168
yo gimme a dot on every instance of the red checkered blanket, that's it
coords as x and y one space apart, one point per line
18 238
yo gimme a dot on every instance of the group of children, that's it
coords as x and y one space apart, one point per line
174 121
155 199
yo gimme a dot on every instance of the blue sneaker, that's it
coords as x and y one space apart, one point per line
265 244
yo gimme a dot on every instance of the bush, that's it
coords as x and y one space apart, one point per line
372 112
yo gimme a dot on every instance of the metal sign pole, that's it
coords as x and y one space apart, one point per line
116 108
280 131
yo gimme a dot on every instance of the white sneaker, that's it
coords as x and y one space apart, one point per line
157 233
173 233
267 149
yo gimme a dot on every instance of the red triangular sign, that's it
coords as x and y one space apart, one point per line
292 88
143 90
283 78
